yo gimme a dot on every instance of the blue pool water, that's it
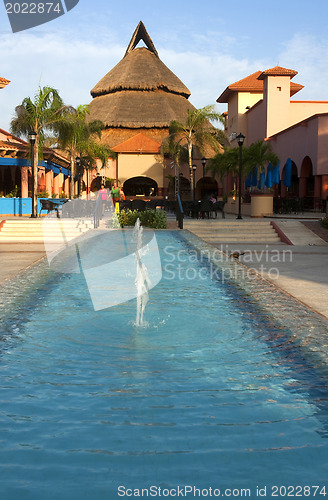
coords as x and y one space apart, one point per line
210 393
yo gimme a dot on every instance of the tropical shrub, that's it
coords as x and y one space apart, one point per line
43 194
13 193
155 219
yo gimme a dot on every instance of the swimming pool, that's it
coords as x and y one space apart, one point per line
224 389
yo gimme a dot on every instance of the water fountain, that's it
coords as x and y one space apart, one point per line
142 278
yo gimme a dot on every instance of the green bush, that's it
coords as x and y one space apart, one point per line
156 219
13 193
43 194
324 222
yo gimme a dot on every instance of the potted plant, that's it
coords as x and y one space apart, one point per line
259 157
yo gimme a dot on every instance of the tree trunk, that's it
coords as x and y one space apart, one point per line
190 169
35 154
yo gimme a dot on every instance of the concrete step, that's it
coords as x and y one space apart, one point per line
229 230
53 230
225 231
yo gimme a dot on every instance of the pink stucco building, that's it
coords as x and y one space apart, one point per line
262 106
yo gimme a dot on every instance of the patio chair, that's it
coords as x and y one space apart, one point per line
205 208
50 206
218 206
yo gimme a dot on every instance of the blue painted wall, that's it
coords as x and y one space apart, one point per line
18 206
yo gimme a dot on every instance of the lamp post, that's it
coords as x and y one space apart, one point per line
203 160
193 181
240 140
78 163
32 139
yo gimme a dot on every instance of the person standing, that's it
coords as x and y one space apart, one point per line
117 195
103 195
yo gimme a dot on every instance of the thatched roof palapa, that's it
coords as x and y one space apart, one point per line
140 92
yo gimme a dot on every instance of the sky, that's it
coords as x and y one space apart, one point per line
208 44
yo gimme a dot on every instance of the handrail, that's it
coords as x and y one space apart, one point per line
179 212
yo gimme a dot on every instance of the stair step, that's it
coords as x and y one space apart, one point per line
47 230
225 231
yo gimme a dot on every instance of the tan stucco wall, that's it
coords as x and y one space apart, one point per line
276 95
134 165
297 143
256 126
300 110
237 121
322 166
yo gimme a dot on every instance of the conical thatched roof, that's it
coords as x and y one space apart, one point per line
140 91
139 109
140 69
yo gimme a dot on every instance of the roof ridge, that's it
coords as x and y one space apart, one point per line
140 33
278 71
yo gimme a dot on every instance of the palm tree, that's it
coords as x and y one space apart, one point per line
259 154
38 115
196 131
227 162
179 154
78 137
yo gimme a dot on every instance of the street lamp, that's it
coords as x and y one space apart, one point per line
240 140
203 160
193 180
78 163
32 139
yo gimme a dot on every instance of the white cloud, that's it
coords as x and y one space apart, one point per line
308 55
73 65
207 75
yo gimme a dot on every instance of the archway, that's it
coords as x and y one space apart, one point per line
306 179
293 190
205 187
140 186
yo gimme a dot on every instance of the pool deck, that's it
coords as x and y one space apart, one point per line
300 269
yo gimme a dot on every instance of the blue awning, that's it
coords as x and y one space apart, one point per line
268 180
287 181
23 162
57 169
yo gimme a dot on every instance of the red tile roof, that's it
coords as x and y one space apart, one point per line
3 82
278 71
10 137
254 83
139 143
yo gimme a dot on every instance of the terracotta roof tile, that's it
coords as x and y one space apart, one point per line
3 82
254 83
139 143
12 146
278 71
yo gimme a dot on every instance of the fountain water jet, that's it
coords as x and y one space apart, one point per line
142 278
